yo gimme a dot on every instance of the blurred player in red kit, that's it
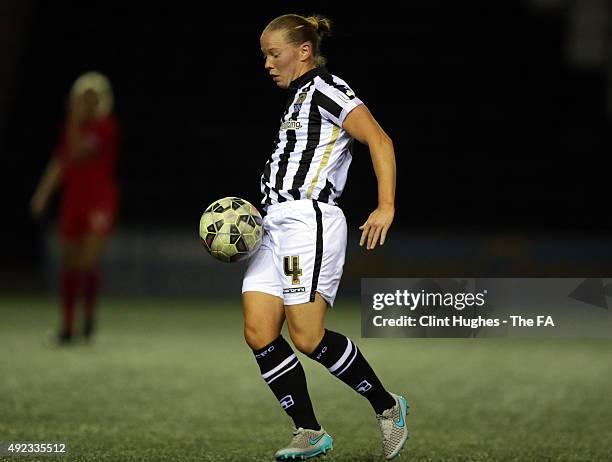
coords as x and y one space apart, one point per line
84 165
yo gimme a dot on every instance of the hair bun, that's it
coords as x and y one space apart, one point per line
321 24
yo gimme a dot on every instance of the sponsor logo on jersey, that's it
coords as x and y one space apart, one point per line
291 125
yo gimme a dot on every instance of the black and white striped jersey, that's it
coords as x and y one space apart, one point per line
312 151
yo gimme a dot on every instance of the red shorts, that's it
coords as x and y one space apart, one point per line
78 220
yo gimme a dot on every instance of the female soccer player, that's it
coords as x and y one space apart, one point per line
84 164
295 273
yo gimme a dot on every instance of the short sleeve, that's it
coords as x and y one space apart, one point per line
336 101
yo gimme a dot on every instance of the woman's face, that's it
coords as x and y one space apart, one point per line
282 59
86 104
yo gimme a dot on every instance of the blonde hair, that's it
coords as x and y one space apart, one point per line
100 84
300 29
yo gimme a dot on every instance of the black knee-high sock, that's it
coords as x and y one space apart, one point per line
282 371
343 359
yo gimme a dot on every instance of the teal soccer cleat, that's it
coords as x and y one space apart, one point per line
306 444
394 427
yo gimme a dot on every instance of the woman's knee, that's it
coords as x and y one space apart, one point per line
258 337
306 323
306 340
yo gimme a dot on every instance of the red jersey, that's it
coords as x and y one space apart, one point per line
91 179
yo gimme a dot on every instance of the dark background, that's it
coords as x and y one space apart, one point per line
495 126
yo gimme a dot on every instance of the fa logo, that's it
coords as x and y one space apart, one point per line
286 402
363 386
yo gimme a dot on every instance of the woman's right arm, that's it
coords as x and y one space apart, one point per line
48 183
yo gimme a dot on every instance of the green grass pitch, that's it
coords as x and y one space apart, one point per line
173 380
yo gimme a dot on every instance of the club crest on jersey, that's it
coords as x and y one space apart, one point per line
300 100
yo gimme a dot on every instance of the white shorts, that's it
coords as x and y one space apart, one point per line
302 252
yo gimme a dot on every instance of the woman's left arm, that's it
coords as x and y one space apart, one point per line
362 126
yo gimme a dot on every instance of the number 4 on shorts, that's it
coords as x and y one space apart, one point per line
292 268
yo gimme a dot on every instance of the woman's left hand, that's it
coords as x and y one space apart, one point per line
376 226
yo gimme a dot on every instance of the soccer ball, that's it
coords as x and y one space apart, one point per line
230 229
